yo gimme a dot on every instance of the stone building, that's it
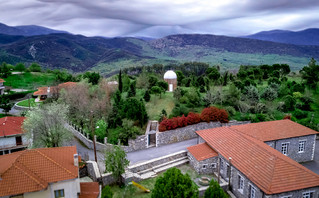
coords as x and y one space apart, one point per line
51 92
251 166
171 78
12 137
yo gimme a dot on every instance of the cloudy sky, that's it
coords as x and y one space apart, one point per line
157 18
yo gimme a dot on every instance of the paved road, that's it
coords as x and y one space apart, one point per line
314 165
155 152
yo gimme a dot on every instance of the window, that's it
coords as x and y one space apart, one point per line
213 165
204 166
221 166
302 146
307 195
284 148
240 183
252 191
59 193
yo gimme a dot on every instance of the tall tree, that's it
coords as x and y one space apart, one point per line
120 81
6 105
174 184
311 73
116 162
45 125
215 191
20 67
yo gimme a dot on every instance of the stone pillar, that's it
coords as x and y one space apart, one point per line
105 140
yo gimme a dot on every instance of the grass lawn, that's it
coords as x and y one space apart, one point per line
29 80
25 103
155 106
132 191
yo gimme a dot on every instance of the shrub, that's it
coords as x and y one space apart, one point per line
193 118
215 191
223 116
210 114
230 110
106 192
300 114
287 117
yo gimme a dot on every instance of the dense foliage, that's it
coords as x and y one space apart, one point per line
174 184
215 191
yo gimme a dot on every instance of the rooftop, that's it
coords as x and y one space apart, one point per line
266 167
11 126
202 151
274 130
170 74
32 170
53 89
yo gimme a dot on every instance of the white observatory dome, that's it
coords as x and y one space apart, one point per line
170 74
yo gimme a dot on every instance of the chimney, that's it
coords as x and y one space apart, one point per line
76 159
48 90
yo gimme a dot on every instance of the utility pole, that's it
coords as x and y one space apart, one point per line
93 134
29 102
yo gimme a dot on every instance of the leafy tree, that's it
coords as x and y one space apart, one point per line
116 162
180 77
174 184
117 97
157 90
214 74
215 191
20 67
4 70
114 118
193 97
45 125
100 130
6 105
233 95
120 81
289 102
162 84
106 192
126 83
147 96
152 79
34 67
269 94
311 73
128 131
252 94
93 77
134 109
178 93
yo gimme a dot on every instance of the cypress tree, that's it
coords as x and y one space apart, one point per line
120 81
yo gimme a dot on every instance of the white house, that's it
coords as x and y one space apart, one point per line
12 137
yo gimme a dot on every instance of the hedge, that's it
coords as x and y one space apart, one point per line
207 115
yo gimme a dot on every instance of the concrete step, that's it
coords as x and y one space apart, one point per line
162 165
164 168
148 175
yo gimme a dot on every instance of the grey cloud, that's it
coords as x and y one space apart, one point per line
161 17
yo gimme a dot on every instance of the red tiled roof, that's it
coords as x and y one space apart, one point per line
54 89
41 91
32 170
11 126
274 130
89 190
1 80
266 167
202 151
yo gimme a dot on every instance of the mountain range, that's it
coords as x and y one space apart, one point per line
27 30
304 37
79 53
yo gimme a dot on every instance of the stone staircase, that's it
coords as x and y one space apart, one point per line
151 168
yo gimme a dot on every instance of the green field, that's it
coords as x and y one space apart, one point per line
25 103
29 80
155 106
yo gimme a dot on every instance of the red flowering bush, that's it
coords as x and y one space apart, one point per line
208 114
223 116
287 117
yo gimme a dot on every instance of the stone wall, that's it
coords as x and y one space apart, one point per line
93 170
188 132
207 166
293 147
137 144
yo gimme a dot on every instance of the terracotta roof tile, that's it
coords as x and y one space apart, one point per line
89 190
274 130
54 89
11 126
202 151
266 167
32 170
1 80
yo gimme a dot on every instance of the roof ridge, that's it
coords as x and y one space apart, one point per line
29 175
48 158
